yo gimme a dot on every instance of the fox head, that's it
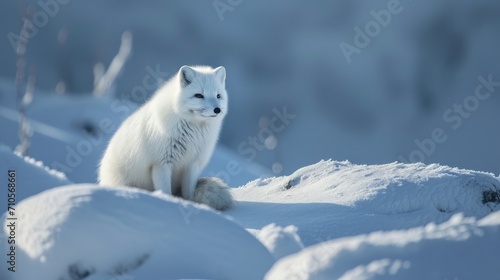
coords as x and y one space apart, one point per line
203 93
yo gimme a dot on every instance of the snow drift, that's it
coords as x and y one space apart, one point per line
333 199
76 231
461 248
32 176
410 221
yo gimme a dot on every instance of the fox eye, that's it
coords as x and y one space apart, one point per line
218 96
199 95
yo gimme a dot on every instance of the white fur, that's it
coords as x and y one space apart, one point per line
213 192
167 142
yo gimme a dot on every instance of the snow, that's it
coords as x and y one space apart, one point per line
280 241
31 175
460 248
73 231
333 199
328 220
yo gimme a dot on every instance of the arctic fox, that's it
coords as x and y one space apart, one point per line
167 142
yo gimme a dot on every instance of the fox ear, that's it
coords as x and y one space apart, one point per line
220 74
186 75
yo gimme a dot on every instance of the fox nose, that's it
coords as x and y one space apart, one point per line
217 110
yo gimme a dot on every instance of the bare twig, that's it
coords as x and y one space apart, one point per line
21 63
24 99
104 81
25 131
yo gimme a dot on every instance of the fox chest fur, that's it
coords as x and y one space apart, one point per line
184 142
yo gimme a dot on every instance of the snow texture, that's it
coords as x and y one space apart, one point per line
357 222
280 241
75 231
333 199
31 176
461 248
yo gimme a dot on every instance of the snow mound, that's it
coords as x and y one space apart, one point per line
31 176
280 241
461 248
334 199
77 231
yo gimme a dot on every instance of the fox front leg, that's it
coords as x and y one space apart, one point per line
189 181
162 178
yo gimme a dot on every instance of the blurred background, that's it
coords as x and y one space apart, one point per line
366 81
